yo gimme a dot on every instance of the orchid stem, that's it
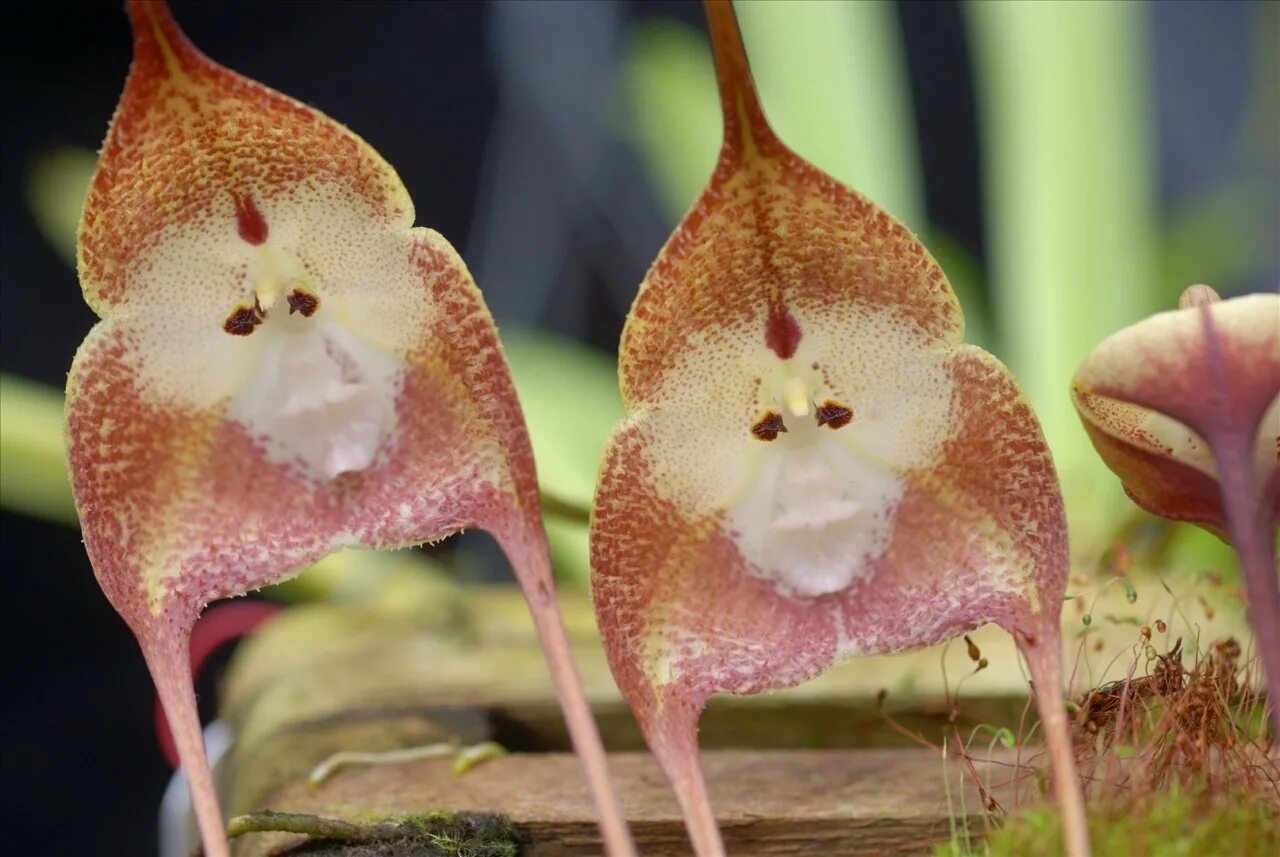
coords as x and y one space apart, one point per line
1045 666
536 582
171 670
704 831
1252 535
676 747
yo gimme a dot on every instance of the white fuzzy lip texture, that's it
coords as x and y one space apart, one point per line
816 513
318 397
812 508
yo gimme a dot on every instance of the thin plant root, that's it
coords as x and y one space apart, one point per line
476 754
465 758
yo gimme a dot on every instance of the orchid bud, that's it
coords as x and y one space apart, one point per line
1184 407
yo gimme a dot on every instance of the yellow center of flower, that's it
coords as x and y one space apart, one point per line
795 396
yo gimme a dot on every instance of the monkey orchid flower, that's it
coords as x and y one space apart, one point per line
813 464
284 366
1185 408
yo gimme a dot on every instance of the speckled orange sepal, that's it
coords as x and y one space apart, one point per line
220 209
784 301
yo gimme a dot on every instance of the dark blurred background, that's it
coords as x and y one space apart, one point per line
503 120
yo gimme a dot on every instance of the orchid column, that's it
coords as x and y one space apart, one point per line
813 464
285 366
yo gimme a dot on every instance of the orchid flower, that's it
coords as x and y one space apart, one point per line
813 464
1185 408
284 366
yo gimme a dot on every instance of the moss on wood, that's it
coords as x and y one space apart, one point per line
433 834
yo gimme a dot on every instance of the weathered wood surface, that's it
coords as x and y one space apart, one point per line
438 663
788 802
478 648
325 678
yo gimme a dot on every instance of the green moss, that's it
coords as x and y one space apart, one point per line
434 834
1173 824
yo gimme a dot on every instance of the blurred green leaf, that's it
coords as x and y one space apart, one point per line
57 183
568 541
1220 238
33 463
1071 210
672 118
569 393
833 81
1194 550
396 583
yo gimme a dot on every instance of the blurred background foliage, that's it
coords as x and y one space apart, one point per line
1073 166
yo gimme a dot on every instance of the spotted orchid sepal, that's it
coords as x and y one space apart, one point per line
1184 407
813 464
284 366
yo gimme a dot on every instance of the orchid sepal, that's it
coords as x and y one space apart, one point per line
284 366
813 464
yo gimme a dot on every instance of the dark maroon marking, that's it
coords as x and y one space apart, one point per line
244 319
781 332
249 222
834 415
241 322
769 426
304 302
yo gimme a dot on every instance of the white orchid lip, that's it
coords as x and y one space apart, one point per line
318 397
803 463
816 512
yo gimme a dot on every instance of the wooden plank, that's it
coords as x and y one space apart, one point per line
325 660
496 625
391 674
767 722
325 678
789 802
